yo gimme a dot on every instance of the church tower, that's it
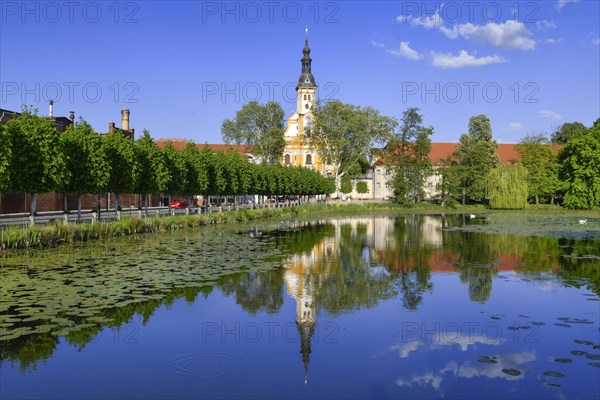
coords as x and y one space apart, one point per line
297 151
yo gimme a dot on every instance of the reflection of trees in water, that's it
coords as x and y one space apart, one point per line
256 290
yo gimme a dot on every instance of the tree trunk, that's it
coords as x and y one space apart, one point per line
146 205
117 216
537 199
65 205
32 209
99 197
78 207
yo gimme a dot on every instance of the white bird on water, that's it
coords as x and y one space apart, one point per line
583 221
472 216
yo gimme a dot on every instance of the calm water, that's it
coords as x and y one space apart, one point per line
373 307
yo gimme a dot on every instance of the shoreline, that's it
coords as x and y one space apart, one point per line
57 234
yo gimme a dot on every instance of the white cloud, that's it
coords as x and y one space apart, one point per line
596 42
407 348
515 126
562 3
546 24
463 59
550 114
377 44
405 51
507 35
552 41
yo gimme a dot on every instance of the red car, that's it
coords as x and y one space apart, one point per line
179 203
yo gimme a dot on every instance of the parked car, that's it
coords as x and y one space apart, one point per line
179 203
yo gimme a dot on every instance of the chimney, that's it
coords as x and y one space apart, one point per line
51 106
111 126
72 116
125 119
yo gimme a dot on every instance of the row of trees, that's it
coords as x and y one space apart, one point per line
35 159
565 168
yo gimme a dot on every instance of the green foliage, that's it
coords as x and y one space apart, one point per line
153 173
343 134
580 169
345 184
176 166
124 172
260 126
36 160
196 165
5 158
476 156
566 131
361 187
87 167
409 152
542 167
507 187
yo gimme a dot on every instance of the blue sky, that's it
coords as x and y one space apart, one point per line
183 67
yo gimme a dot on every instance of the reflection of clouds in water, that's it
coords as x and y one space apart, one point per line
470 369
405 349
465 341
447 339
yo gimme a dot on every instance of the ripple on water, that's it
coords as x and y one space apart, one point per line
201 366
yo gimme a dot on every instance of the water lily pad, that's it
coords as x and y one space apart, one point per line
554 374
511 371
593 356
563 360
537 323
584 342
488 359
595 364
579 352
563 325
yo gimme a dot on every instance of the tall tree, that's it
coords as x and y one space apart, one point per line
87 167
409 152
124 173
507 187
259 126
580 169
476 155
153 174
176 165
566 131
5 155
539 158
344 134
37 163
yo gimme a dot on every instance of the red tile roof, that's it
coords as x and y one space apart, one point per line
439 151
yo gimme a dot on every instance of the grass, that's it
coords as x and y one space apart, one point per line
55 234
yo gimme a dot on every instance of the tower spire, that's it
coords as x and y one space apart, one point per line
306 77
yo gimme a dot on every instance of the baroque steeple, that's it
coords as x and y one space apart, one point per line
306 77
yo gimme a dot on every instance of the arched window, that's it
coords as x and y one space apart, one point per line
309 97
308 159
304 97
287 159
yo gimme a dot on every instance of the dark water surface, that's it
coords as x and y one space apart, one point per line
370 307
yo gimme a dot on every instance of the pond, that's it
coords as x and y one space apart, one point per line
374 306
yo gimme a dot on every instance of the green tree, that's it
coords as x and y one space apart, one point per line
153 173
542 168
124 173
476 155
409 154
176 166
507 187
259 126
345 184
580 169
5 156
36 163
87 167
566 131
344 134
449 183
197 169
362 188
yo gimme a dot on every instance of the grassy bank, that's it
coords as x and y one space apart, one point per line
55 234
40 237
